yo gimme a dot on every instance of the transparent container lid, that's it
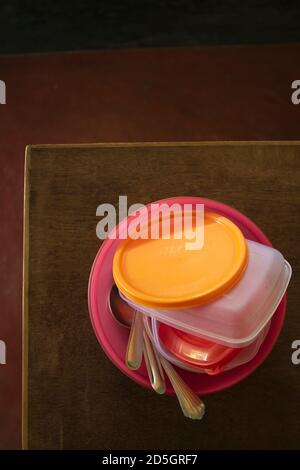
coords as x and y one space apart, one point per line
236 318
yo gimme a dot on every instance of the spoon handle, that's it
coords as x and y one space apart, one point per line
154 370
134 353
191 405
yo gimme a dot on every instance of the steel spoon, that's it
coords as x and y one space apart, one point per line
138 343
191 405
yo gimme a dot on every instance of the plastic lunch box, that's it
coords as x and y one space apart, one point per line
244 355
237 317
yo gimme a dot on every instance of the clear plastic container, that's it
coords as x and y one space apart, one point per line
245 355
236 318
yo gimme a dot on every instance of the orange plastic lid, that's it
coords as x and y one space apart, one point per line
163 273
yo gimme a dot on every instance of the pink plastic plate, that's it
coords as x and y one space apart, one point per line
113 337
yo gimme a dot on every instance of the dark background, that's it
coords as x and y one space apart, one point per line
40 26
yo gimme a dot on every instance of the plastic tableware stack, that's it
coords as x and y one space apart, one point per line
206 310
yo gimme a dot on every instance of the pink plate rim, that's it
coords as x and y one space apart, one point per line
215 383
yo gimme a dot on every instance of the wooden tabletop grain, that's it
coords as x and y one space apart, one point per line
73 396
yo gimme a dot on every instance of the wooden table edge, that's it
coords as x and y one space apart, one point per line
25 300
165 144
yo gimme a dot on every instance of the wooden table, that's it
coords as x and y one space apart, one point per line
73 396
